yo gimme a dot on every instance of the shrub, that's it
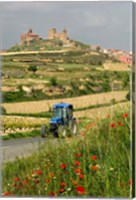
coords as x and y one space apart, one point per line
32 68
2 110
53 81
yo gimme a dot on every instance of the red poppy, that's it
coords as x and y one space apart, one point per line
52 194
38 172
16 179
25 182
89 126
94 157
78 155
80 189
74 182
6 194
78 171
120 123
125 115
113 125
63 166
61 190
47 181
82 134
77 163
63 184
51 175
95 168
81 176
130 182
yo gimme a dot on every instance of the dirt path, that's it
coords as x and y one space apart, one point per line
78 102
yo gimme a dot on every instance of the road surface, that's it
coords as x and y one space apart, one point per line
11 149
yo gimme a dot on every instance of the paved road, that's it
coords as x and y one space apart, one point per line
20 147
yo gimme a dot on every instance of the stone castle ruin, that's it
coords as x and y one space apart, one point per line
28 37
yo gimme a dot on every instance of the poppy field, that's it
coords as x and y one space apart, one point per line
95 163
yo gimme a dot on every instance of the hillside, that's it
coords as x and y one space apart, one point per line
47 45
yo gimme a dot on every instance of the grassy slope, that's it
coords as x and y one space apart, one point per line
107 174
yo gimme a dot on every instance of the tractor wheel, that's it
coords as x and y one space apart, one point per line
62 132
74 128
43 131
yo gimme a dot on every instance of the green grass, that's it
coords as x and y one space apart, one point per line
98 160
15 135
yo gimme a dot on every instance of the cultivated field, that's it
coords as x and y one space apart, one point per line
116 67
78 102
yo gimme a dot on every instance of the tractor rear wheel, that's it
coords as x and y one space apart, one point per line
74 127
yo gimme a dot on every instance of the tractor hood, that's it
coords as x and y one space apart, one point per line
55 120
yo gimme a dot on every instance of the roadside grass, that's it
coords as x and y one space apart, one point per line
15 135
96 163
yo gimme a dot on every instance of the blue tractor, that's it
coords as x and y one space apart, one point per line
62 122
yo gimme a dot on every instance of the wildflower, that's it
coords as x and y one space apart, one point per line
82 134
25 182
63 166
47 181
125 115
130 182
111 168
6 194
80 189
78 171
81 176
52 194
16 179
61 190
94 157
38 172
51 175
78 155
95 168
113 125
74 182
63 184
77 163
69 189
120 123
89 126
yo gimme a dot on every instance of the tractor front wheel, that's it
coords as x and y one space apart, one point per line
62 132
74 127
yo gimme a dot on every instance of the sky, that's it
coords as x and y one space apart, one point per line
105 23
